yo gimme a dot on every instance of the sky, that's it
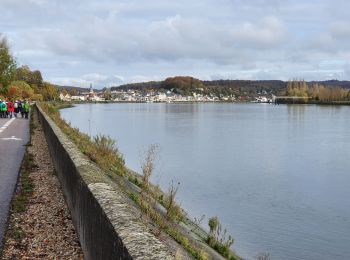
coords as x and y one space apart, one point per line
113 42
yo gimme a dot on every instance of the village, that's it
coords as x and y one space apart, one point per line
138 96
151 96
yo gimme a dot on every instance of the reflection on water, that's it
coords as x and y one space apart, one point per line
296 111
276 176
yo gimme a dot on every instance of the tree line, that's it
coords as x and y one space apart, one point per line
321 91
317 92
21 82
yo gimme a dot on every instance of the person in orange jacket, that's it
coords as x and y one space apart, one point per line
10 108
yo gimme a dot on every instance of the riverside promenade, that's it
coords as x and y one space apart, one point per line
14 134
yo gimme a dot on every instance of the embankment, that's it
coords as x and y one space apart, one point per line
106 221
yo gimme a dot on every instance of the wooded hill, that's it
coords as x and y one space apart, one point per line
188 85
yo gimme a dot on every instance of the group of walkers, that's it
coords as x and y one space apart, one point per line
10 108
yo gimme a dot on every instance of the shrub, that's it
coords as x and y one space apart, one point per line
218 240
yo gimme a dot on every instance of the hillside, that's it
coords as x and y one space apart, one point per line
186 85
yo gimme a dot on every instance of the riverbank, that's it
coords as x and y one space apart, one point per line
321 103
151 200
64 104
40 225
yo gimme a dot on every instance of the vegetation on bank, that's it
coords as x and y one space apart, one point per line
100 149
159 210
315 93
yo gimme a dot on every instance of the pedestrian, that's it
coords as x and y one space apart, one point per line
4 109
25 108
10 108
16 108
20 109
0 108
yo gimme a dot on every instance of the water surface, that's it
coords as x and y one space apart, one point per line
276 176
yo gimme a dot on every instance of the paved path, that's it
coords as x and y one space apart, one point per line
14 134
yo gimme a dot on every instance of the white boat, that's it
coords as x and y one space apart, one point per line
261 100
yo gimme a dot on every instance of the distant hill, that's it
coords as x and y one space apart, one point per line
72 88
185 82
187 85
139 86
333 83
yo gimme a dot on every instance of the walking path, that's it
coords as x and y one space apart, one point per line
46 228
13 136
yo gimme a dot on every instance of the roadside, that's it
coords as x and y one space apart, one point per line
40 225
14 135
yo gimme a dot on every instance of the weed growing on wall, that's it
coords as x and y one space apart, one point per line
218 238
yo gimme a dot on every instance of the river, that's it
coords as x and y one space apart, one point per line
277 177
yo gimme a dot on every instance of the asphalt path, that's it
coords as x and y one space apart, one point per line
14 134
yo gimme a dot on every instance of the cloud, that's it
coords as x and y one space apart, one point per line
340 30
267 33
171 39
97 80
74 40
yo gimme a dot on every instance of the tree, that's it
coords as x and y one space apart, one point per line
37 97
13 92
31 77
7 65
20 89
49 91
64 92
315 92
23 73
182 85
107 94
73 92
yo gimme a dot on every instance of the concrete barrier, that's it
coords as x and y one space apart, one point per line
106 221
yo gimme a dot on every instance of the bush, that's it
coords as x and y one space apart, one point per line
218 240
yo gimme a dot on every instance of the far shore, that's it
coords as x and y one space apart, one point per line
69 104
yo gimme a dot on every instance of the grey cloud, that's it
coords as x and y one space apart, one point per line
232 38
97 80
173 38
340 30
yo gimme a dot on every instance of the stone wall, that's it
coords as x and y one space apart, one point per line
105 219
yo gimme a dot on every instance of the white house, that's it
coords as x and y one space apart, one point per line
66 97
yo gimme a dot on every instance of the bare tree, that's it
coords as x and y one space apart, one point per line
171 206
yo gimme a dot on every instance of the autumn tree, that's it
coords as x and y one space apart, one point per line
20 89
182 85
49 91
13 92
31 77
64 92
73 92
107 93
37 97
7 65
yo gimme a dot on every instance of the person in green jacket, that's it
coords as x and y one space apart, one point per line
25 108
3 109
